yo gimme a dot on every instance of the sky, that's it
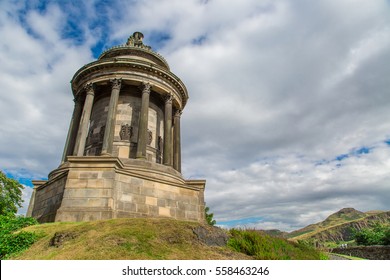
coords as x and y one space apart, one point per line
288 115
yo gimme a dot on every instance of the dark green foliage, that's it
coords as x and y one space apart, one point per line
386 238
209 216
10 195
378 235
264 247
12 241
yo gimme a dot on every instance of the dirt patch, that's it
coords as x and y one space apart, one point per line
60 237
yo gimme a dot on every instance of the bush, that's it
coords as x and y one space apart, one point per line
378 235
386 238
265 247
11 241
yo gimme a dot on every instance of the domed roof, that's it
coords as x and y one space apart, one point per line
135 49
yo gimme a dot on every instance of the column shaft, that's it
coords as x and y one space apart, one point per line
177 144
73 127
167 152
143 122
84 122
108 138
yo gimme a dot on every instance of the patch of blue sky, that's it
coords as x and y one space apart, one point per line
98 48
362 151
72 30
341 157
357 152
240 222
22 18
199 40
321 162
23 176
25 181
387 142
354 153
157 39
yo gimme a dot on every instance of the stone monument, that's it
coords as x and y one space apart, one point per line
122 156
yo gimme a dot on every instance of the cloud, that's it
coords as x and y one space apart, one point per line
36 100
26 195
279 91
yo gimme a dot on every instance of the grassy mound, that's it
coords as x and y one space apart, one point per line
152 239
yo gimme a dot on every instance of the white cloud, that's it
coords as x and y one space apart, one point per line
26 195
36 96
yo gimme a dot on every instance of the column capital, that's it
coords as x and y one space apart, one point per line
146 87
116 83
90 88
178 113
168 98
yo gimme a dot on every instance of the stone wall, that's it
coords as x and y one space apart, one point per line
89 192
48 198
365 252
150 197
97 188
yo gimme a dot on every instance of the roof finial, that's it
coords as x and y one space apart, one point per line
135 40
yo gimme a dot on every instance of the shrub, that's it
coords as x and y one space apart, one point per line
378 235
209 216
12 241
265 247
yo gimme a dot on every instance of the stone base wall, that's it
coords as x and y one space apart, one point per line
141 197
96 188
48 197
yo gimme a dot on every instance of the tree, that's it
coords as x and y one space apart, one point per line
379 234
10 195
209 216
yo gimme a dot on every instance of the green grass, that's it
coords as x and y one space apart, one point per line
149 239
153 239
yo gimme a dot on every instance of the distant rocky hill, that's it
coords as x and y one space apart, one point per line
340 226
342 216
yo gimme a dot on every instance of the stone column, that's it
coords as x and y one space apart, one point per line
167 152
72 132
108 138
176 142
143 122
84 122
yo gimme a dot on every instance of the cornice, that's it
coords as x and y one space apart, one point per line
134 50
131 66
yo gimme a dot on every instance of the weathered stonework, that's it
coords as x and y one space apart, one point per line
122 156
